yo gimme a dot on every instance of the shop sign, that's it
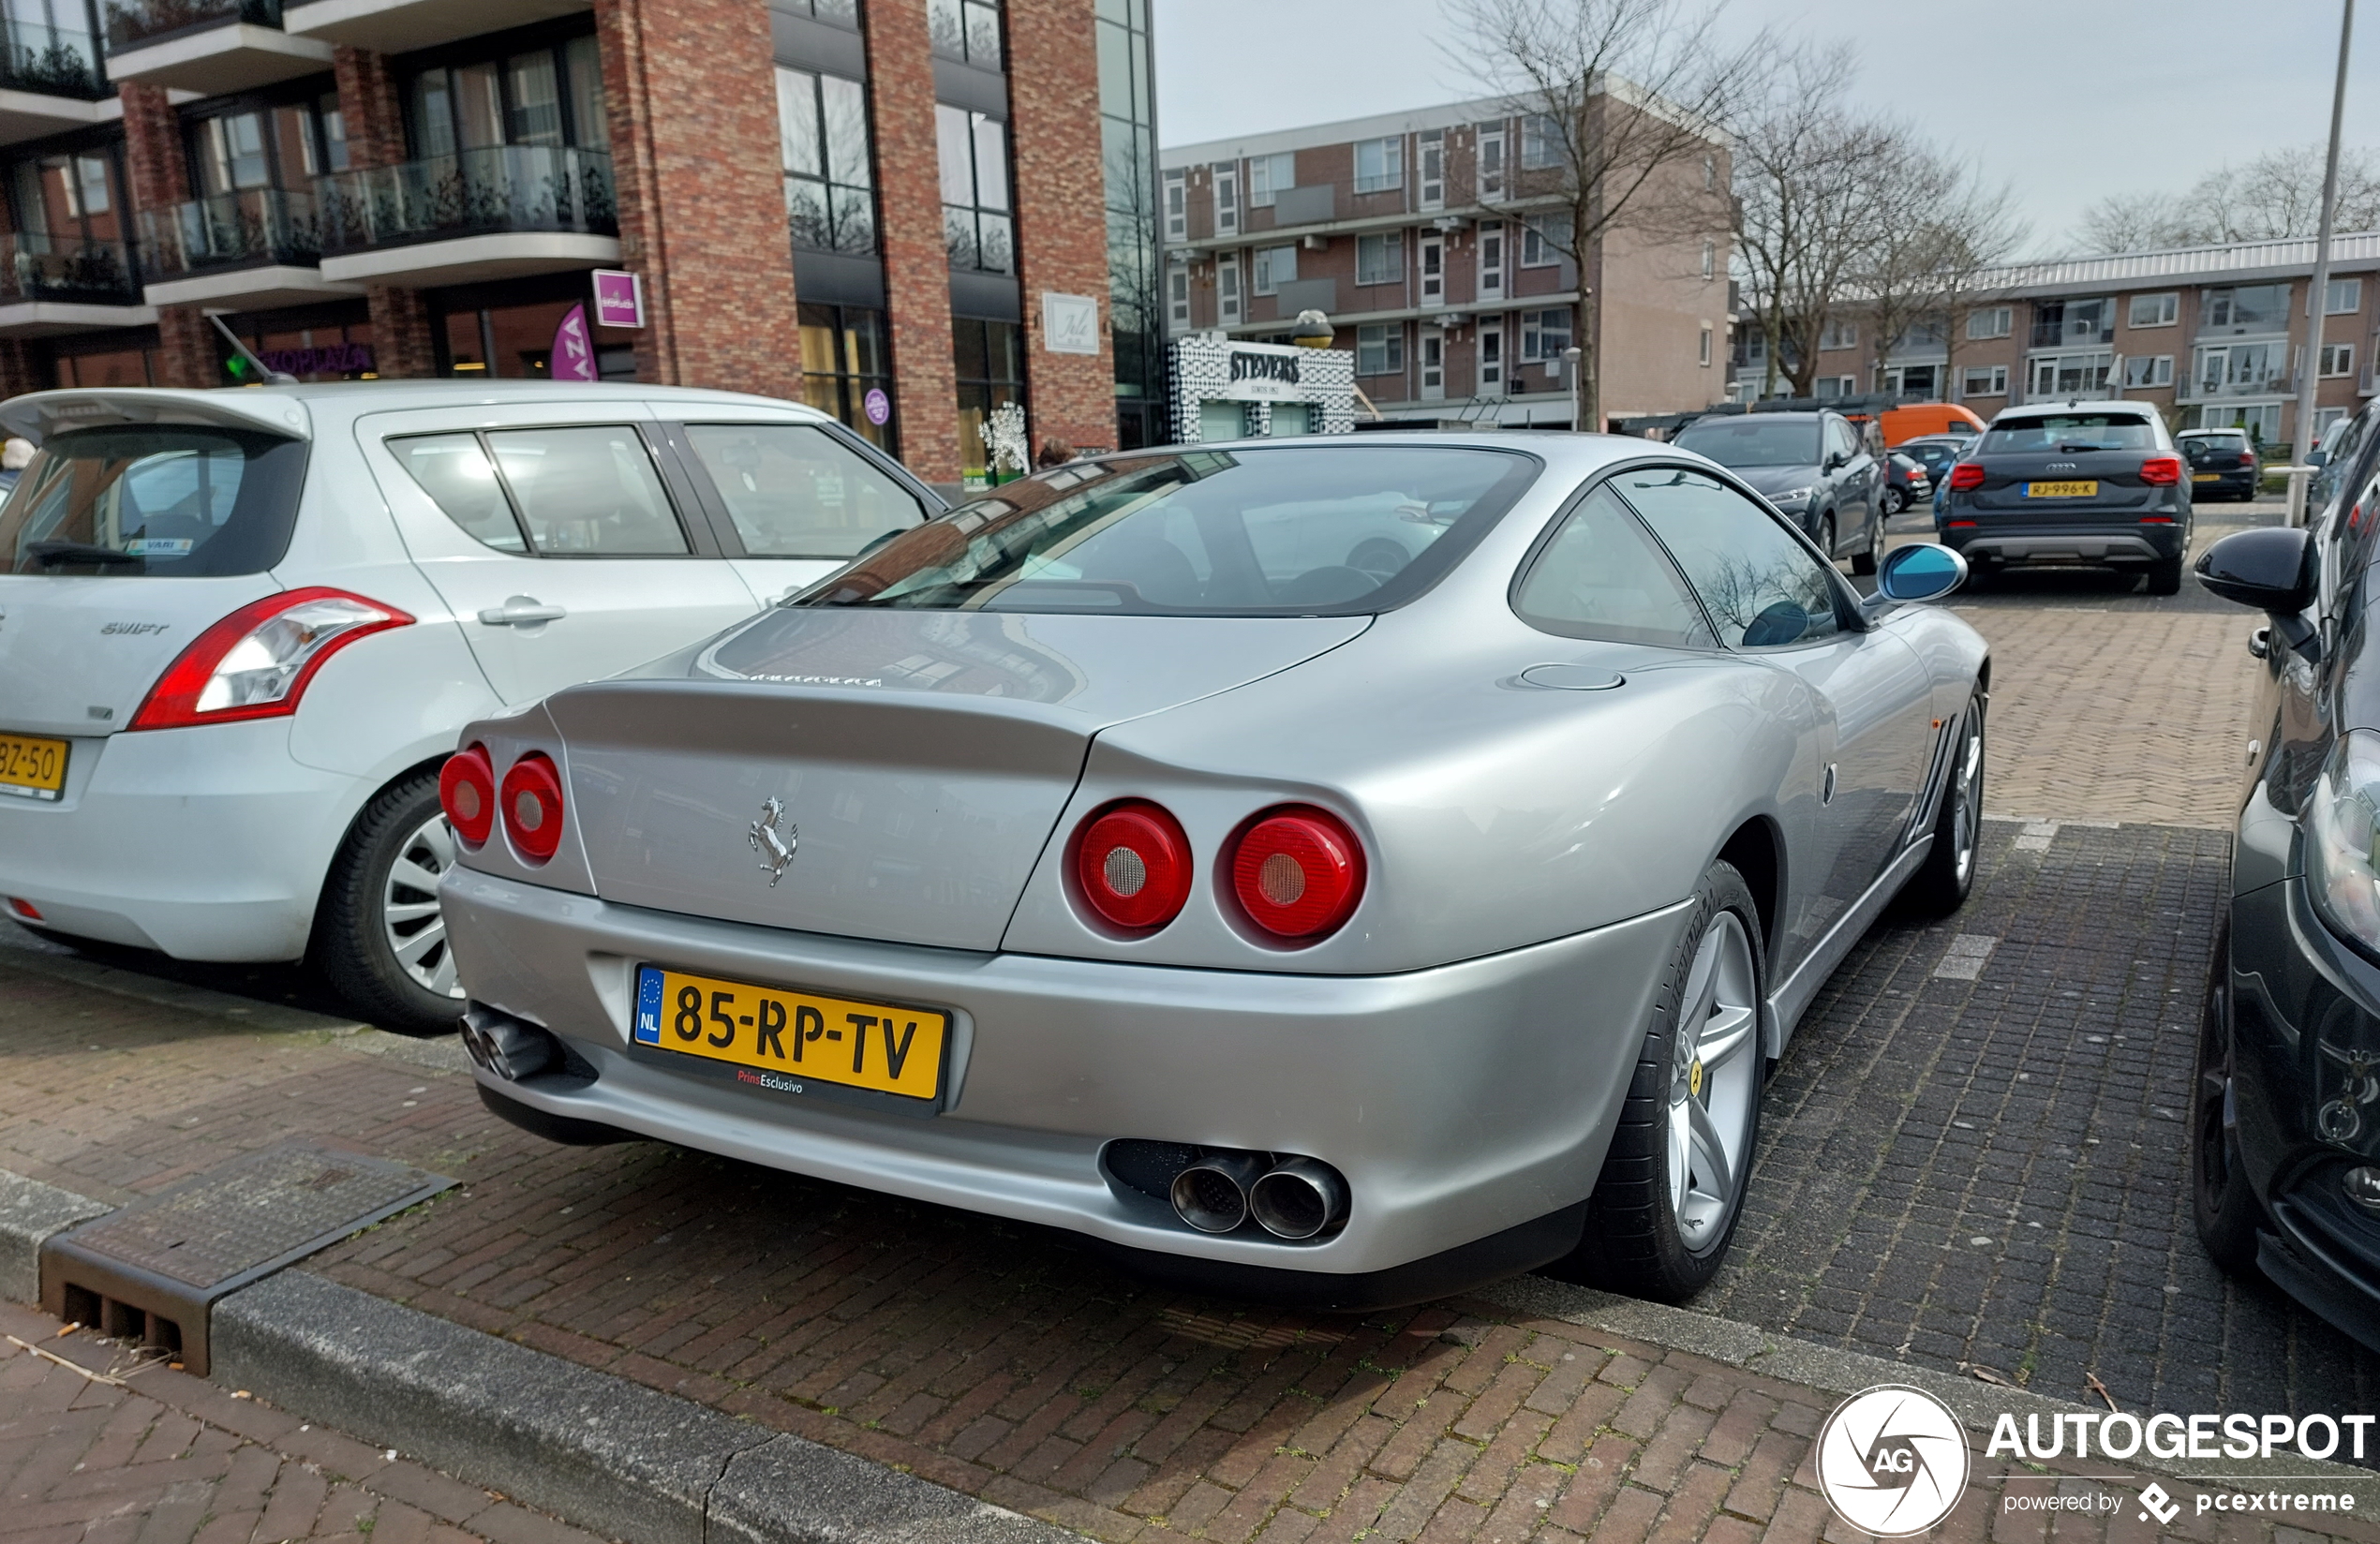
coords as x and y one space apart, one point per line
619 299
573 351
1264 373
1069 323
329 359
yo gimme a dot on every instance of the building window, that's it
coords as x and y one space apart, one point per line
1276 267
2148 369
1984 381
2248 307
1838 333
2069 375
1491 154
1379 165
966 29
989 357
2154 310
1432 154
2240 369
1226 199
284 146
549 97
70 229
842 12
2342 297
517 341
1177 207
974 189
821 126
1710 260
1704 357
1178 297
1379 349
1544 334
842 360
1491 260
1270 174
1540 142
1380 259
1990 321
2338 359
1538 246
1226 289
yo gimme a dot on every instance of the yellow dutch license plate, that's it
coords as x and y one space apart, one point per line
2086 489
32 768
780 1038
2205 477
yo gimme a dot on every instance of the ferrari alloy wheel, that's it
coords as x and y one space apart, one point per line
1674 1180
2220 1203
378 934
1941 885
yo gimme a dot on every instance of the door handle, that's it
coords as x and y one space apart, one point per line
521 611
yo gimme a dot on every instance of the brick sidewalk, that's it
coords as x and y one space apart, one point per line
159 1457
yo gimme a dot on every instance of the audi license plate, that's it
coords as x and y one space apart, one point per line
2088 488
32 768
780 1038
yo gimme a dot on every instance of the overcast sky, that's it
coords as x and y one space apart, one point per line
2067 100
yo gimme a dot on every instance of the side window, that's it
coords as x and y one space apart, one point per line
454 471
1601 576
1839 440
588 491
796 491
1762 587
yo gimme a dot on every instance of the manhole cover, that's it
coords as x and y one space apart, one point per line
172 1254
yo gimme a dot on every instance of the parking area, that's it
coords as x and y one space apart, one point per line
1972 1160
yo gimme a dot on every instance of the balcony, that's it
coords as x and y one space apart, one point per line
253 249
2278 383
207 46
481 215
400 27
63 284
49 81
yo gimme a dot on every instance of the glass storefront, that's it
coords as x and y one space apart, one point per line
990 360
843 360
517 341
311 347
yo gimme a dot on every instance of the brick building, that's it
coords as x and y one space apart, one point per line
1422 236
894 209
2215 337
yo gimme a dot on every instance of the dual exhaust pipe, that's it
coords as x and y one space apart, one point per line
1292 1198
512 1048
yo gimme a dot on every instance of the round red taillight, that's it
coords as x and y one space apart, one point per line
533 803
466 792
1132 866
1297 872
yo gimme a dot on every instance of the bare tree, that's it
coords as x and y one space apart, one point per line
1622 101
2277 195
1938 229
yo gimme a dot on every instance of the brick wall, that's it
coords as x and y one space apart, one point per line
160 177
692 110
916 265
1062 237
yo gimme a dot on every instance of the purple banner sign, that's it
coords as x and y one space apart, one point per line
329 359
573 351
619 299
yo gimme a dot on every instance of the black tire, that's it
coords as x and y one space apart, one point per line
2164 576
1825 537
1864 561
353 943
2222 1205
1942 884
1634 1241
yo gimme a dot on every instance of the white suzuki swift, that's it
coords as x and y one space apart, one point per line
240 629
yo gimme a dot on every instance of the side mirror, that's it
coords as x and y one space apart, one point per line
1920 572
2272 569
2317 458
1835 460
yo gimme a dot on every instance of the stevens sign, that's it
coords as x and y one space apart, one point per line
1270 374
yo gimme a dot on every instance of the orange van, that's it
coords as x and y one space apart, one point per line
1928 417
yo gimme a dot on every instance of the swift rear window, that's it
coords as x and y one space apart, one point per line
128 501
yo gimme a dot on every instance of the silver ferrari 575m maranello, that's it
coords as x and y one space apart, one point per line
1338 872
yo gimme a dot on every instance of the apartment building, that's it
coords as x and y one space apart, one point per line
2215 337
1423 236
890 208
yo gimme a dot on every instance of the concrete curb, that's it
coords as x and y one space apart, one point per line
30 1213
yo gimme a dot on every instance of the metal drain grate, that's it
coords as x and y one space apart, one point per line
152 1268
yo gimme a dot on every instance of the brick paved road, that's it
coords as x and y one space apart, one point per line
163 1459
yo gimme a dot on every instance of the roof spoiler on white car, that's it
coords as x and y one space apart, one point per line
39 414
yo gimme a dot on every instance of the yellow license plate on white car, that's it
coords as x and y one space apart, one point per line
2088 488
32 767
782 1038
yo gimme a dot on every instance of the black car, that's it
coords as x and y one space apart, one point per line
2091 482
2286 1126
1906 482
1812 467
2221 461
1935 453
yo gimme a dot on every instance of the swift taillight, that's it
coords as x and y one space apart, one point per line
1132 866
466 792
1297 872
257 662
532 801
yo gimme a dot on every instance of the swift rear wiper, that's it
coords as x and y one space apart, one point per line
78 551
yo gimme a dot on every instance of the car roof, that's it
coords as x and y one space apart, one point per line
1565 453
287 410
2080 405
1796 415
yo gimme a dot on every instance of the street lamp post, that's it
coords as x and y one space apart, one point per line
1570 358
2310 374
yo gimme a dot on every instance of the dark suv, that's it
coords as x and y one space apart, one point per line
2095 483
1812 467
2221 461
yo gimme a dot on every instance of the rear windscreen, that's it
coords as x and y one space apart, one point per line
2069 434
179 501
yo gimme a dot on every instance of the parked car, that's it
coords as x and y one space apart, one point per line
2223 462
1906 482
241 629
1185 847
2334 457
1906 423
1812 467
2090 482
2285 1125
